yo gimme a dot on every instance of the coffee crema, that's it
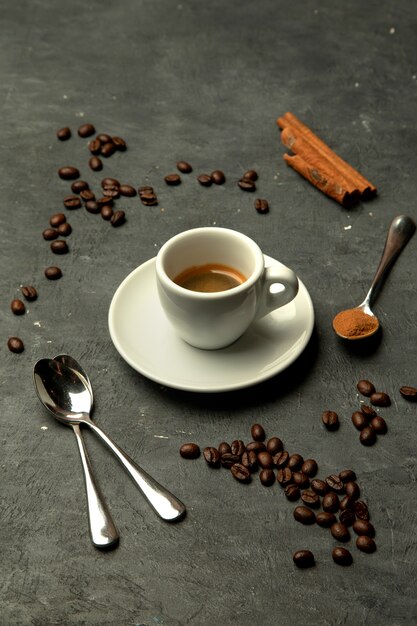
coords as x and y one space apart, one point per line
210 278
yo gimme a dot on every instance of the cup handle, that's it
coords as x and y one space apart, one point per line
277 275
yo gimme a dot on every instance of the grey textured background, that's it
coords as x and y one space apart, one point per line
204 82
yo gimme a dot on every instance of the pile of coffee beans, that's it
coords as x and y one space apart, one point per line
332 502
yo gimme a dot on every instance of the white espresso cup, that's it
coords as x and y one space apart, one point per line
215 319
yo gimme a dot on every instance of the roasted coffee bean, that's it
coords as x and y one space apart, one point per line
72 202
292 492
365 387
205 180
361 510
335 483
303 559
256 446
240 473
319 486
104 138
118 218
310 467
363 527
310 497
237 447
18 307
284 476
15 344
59 246
57 219
228 459
145 189
295 462
352 490
274 445
330 502
108 149
94 146
29 293
95 163
172 179
347 517
409 393
379 425
86 130
127 190
87 195
331 420
218 177
340 532
341 556
79 185
184 167
224 448
64 229
251 175
53 272
347 476
262 206
246 184
110 182
368 411
104 200
366 544
267 477
250 460
304 515
346 503
211 456
64 134
359 420
257 432
114 193
379 398
325 519
265 460
120 144
367 436
190 451
106 212
68 172
301 479
148 199
93 207
281 459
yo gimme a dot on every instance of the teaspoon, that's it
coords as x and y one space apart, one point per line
365 321
66 395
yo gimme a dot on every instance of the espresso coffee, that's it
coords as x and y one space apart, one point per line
210 278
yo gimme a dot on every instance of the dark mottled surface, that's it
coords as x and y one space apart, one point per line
204 82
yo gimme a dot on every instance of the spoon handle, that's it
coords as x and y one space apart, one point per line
399 233
102 529
165 504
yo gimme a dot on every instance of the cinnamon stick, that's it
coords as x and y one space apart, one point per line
320 165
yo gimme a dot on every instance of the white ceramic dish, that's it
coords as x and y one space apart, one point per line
145 339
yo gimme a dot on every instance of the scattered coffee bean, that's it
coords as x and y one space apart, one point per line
57 219
367 436
104 138
346 503
310 467
361 510
301 479
352 490
250 175
240 473
172 179
72 202
94 146
211 456
238 447
49 234
87 195
292 492
15 344
218 177
86 130
267 477
325 519
106 212
68 173
258 433
79 185
29 293
284 476
330 502
379 425
366 544
118 218
228 459
114 193
190 451
64 134
126 190
347 517
303 559
104 200
341 556
281 459
95 163
93 207
265 460
359 420
119 143
331 420
148 199
295 461
184 167
340 532
110 182
250 460
319 486
246 184
335 483
363 527
64 229
53 273
368 411
205 180
409 393
274 445
256 446
18 307
365 387
310 497
347 476
304 515
379 398
224 448
262 206
59 246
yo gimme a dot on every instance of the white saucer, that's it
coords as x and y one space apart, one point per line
145 339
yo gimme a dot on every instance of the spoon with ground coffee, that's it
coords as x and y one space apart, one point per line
360 322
